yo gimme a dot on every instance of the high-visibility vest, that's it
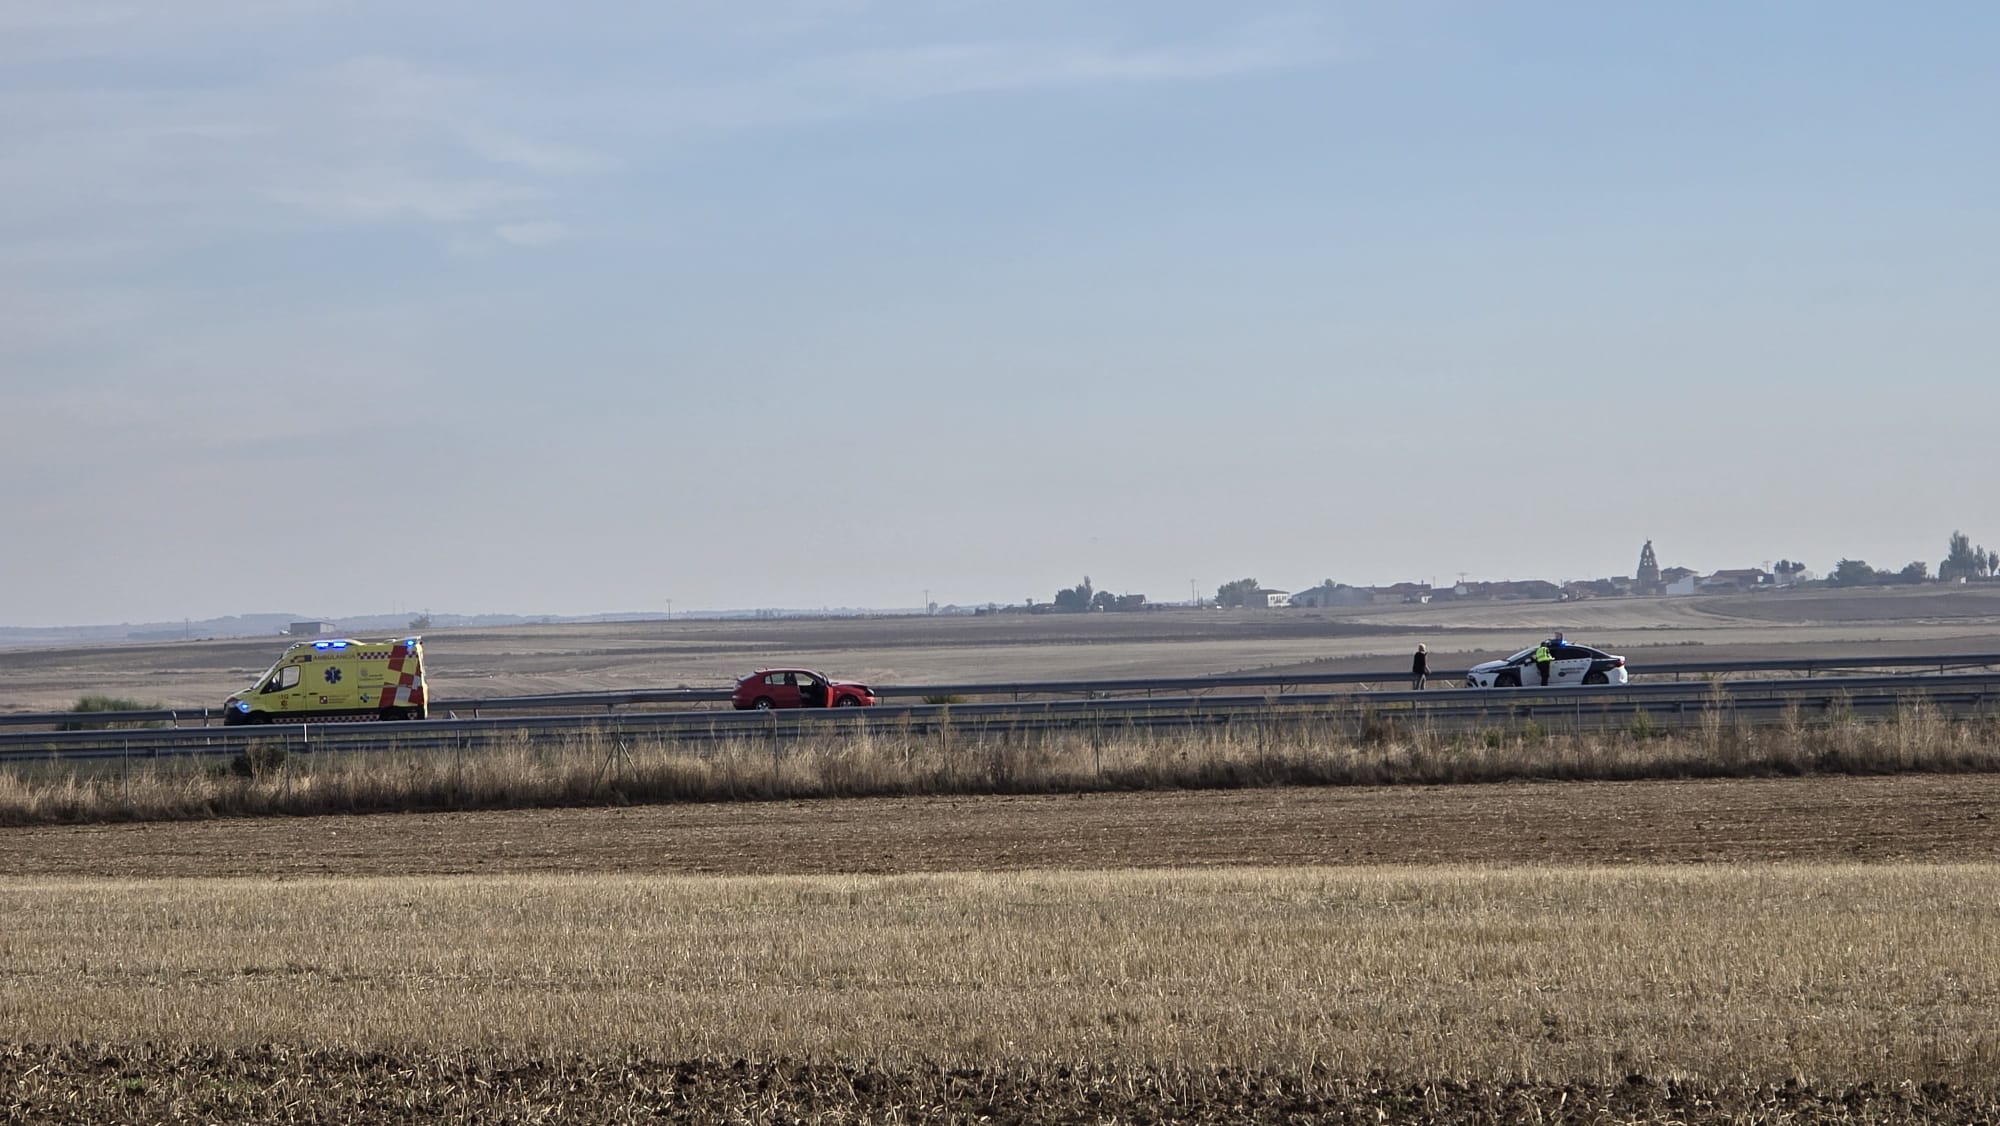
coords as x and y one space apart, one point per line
1543 654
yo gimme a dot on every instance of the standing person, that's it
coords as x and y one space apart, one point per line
1420 670
1543 659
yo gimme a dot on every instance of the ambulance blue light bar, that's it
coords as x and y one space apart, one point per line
329 644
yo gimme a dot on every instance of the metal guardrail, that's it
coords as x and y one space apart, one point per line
1283 682
1664 704
1809 666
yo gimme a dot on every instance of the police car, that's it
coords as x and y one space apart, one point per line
1573 665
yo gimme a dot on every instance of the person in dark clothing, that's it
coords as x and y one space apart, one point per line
1543 659
1420 670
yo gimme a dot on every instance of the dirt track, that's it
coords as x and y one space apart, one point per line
1935 818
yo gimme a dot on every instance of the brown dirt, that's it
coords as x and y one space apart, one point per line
1818 819
74 1083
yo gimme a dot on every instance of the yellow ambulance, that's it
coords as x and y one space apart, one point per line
322 680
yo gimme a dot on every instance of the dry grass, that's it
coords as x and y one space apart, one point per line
1338 747
1740 975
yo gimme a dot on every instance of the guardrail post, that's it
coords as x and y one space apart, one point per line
771 731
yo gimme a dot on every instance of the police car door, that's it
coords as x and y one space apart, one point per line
1570 667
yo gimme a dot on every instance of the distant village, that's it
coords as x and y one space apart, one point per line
1648 579
1965 563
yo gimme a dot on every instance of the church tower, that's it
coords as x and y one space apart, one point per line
1648 576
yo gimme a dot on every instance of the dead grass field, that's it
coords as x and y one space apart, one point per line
1633 952
1347 744
1740 977
1755 973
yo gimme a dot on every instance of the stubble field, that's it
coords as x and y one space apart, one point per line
1782 948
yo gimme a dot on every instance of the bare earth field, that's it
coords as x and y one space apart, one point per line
1907 818
998 648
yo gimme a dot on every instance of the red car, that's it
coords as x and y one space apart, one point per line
798 688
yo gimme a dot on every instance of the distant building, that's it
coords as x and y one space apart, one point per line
1730 581
309 629
1267 599
1647 580
1328 595
1401 592
1678 580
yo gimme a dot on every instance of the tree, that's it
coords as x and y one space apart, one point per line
1075 599
421 622
1236 593
1852 572
1962 561
1915 571
1104 600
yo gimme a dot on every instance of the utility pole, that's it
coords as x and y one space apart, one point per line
670 609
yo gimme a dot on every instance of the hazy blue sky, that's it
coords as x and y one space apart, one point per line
347 307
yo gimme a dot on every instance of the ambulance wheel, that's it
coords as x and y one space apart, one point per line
763 704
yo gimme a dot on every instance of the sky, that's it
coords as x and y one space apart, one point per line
341 307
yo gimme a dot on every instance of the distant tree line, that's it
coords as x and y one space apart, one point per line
1083 597
1963 560
1078 598
1966 561
1236 593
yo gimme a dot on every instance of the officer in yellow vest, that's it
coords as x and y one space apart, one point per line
1543 659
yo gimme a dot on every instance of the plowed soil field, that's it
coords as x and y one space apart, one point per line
1881 819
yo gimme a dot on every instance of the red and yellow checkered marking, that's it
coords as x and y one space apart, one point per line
407 689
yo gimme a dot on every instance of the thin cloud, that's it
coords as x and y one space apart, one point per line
857 82
387 193
539 233
958 68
